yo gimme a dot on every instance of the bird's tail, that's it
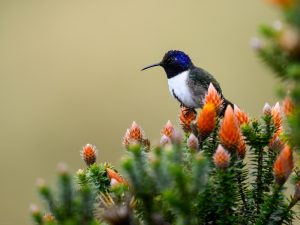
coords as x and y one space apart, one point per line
225 104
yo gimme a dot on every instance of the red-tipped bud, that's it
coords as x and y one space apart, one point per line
221 158
267 109
115 178
213 97
165 140
207 119
133 135
287 105
193 143
283 165
168 129
89 154
187 116
241 116
229 134
277 117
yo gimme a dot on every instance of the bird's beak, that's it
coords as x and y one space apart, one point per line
153 65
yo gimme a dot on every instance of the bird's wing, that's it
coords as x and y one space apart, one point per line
199 81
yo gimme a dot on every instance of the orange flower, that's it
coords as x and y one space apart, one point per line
89 154
187 116
287 105
168 129
276 115
283 165
115 178
230 131
221 158
241 116
213 97
207 119
133 134
283 3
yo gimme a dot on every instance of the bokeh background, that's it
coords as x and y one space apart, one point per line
70 75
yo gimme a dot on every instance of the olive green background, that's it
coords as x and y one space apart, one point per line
70 75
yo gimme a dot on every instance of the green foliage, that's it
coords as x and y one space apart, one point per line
69 206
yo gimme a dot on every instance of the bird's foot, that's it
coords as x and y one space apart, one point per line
186 110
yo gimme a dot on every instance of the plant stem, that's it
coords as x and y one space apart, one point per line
259 191
240 187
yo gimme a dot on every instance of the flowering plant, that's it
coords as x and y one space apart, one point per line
198 177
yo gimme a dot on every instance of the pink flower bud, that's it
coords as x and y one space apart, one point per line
221 158
193 142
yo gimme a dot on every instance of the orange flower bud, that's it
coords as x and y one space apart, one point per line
207 119
192 142
221 158
187 116
133 135
288 106
89 154
241 116
283 165
213 97
229 133
276 115
168 129
115 178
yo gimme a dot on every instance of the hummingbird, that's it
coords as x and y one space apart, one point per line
187 82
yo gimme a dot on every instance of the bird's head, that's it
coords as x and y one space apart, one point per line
174 62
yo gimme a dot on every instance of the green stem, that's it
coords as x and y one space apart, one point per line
259 188
240 187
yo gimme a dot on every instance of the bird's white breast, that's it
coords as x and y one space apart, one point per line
178 86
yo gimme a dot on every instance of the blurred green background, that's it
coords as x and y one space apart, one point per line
70 75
